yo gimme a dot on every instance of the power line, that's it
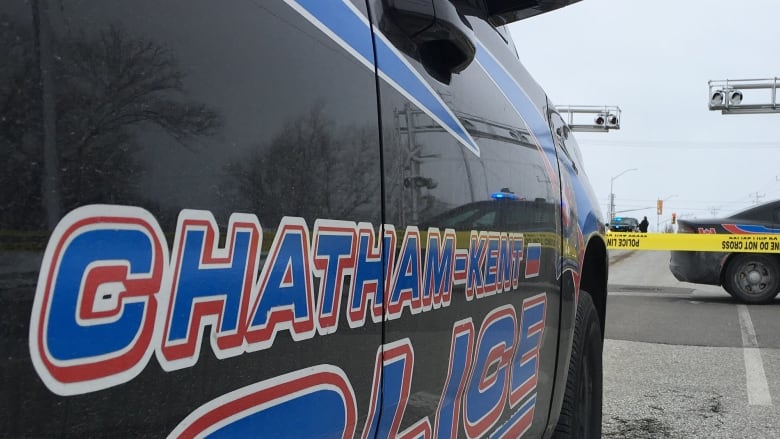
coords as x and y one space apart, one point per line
757 196
679 144
678 200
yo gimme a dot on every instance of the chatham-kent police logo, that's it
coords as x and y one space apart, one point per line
110 296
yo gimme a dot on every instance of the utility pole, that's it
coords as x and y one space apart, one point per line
611 207
612 194
660 210
757 196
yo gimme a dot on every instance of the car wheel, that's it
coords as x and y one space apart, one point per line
581 411
752 278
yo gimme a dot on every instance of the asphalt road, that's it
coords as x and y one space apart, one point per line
684 360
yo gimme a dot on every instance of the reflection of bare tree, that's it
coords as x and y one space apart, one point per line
121 82
310 169
104 86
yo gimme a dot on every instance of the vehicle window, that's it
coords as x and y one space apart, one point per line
755 213
419 149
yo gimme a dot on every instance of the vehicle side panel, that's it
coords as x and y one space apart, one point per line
437 184
582 227
707 267
238 217
188 111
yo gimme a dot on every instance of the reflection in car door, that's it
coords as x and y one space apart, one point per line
776 218
453 144
169 107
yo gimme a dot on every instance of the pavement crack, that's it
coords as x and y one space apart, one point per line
639 428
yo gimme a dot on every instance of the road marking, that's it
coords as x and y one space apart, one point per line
694 295
646 294
757 387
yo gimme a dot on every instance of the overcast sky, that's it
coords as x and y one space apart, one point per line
653 58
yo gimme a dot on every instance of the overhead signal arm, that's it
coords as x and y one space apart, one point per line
744 96
591 118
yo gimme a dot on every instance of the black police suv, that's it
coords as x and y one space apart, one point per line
752 278
256 219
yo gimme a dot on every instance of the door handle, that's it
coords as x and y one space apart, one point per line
431 31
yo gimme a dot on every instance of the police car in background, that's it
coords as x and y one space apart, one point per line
624 224
752 278
234 218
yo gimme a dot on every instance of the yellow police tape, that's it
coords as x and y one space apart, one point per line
749 243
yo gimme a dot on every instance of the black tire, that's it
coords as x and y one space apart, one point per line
752 278
581 411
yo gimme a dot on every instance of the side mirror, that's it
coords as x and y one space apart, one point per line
433 32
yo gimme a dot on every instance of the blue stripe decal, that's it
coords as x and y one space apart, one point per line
519 100
537 122
391 63
340 19
515 418
517 97
758 229
582 199
349 28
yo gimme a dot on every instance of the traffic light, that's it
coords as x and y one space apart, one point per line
674 218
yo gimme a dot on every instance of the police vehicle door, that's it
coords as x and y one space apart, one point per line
472 192
183 113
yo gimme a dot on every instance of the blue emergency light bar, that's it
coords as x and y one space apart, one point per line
504 196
